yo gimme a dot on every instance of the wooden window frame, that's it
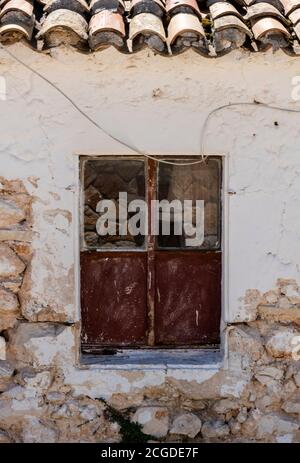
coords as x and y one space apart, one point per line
150 247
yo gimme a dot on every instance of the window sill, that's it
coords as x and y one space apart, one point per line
204 359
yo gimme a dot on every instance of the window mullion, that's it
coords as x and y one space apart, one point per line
151 195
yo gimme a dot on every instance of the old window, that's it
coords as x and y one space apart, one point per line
150 252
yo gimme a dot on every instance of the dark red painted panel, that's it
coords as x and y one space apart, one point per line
113 299
188 298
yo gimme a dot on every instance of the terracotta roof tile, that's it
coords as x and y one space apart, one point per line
79 6
264 9
155 7
219 9
107 28
17 6
184 31
297 30
168 27
183 6
290 5
295 16
64 26
147 30
17 20
267 26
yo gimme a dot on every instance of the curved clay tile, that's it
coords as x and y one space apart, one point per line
147 29
297 30
229 33
16 21
276 3
155 7
185 31
160 3
271 33
219 9
11 33
105 29
263 9
79 6
295 16
64 27
182 24
231 22
117 6
22 6
266 26
290 5
183 6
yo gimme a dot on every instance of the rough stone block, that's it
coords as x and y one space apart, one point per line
246 342
249 426
2 348
235 427
5 438
250 302
35 431
16 402
7 323
268 375
13 284
186 424
282 342
9 309
16 235
290 289
297 378
215 429
292 406
224 406
42 344
10 264
9 304
12 186
223 384
271 297
6 373
281 313
275 425
154 420
10 214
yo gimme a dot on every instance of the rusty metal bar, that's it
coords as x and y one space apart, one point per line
151 194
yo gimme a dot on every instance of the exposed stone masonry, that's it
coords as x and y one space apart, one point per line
255 397
15 248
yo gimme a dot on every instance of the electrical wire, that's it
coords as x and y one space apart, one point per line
132 147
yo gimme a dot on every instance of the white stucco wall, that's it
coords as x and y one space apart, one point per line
41 135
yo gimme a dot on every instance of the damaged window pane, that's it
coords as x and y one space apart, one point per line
198 189
109 185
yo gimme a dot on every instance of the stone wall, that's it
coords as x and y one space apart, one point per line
15 252
254 397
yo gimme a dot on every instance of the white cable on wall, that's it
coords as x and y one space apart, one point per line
133 148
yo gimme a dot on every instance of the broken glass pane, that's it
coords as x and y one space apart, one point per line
109 186
194 191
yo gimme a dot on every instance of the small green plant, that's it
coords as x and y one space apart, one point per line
130 432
